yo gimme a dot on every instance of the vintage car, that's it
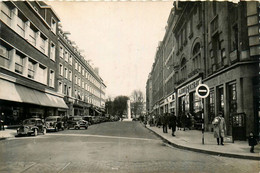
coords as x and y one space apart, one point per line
76 122
32 126
54 123
81 123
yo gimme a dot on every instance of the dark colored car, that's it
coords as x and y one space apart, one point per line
54 123
76 122
32 126
89 119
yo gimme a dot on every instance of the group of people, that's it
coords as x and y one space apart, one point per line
169 120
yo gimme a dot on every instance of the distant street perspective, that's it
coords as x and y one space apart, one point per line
144 86
109 147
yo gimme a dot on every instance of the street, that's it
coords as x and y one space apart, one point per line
109 147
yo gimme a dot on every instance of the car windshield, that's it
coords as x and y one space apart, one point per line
50 119
29 122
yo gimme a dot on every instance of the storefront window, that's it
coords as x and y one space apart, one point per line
211 106
221 100
233 98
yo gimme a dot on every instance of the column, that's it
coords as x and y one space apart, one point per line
14 16
25 66
12 59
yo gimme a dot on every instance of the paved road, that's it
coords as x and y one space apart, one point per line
109 147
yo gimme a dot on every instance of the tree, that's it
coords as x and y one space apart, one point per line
109 106
119 105
137 102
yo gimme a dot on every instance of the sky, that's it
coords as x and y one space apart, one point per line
120 38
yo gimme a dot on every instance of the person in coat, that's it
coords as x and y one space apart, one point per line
172 123
219 128
165 123
252 141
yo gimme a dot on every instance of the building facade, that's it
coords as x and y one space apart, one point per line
217 44
30 64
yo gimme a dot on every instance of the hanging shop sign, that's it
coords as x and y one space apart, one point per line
189 87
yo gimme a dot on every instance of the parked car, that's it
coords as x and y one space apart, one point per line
89 119
54 123
32 126
76 122
81 123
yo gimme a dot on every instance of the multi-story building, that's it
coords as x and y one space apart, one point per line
40 67
84 89
28 65
215 43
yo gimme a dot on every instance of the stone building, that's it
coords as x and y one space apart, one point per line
214 43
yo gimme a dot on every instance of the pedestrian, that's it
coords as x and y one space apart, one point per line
165 123
179 122
219 128
252 141
172 123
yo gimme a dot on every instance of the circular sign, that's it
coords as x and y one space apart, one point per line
202 90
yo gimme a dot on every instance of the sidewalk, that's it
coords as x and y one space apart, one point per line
7 133
192 140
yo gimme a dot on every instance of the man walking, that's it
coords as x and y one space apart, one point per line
172 123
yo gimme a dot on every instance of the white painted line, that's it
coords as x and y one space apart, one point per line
200 90
64 167
101 136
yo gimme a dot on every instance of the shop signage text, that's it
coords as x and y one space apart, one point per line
189 88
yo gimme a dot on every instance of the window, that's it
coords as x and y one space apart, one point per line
70 59
79 81
75 93
61 69
41 74
4 56
233 98
52 52
82 85
83 72
66 56
53 25
6 13
61 52
70 75
51 78
31 68
196 56
19 63
32 34
60 87
69 91
21 24
76 65
66 72
76 80
211 106
79 68
43 43
65 89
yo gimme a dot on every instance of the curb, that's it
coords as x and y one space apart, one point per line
205 151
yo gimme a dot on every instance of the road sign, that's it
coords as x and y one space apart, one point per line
202 90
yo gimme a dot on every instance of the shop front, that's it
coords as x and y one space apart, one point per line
233 93
18 102
189 104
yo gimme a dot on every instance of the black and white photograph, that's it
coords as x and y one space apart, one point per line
129 86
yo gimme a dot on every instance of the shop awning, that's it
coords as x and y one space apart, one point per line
97 111
18 93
